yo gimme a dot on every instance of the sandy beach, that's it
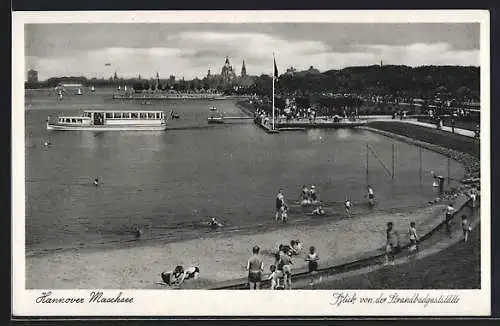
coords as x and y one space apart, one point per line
220 259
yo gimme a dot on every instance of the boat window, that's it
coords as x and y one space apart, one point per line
151 115
73 120
133 115
126 115
117 115
158 115
68 120
79 120
87 114
109 115
143 115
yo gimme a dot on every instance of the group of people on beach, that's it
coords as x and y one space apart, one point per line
280 272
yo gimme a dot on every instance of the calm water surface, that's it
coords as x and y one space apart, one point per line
170 182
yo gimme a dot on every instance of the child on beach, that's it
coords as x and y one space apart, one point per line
413 238
284 213
347 205
191 272
312 260
466 228
371 196
280 202
319 211
274 277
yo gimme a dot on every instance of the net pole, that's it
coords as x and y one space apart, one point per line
366 164
420 165
448 169
393 157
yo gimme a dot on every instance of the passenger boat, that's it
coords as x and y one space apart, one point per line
216 119
100 120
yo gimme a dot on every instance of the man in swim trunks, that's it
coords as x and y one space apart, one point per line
392 246
285 263
304 196
280 201
255 267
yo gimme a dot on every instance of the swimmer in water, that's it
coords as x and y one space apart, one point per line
348 205
312 194
96 182
318 211
304 196
280 202
371 196
214 223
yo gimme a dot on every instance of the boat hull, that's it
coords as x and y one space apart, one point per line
162 127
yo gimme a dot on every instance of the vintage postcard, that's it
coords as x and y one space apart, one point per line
251 163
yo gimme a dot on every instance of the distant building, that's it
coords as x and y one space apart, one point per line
32 76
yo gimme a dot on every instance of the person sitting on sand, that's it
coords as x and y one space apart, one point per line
295 247
213 223
191 272
173 277
318 211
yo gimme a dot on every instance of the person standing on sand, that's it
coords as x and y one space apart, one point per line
413 238
286 264
280 202
392 245
448 217
255 267
466 228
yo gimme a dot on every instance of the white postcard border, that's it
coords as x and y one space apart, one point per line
241 303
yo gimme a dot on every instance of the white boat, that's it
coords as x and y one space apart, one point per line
216 119
213 108
104 120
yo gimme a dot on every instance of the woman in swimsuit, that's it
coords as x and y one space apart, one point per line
172 278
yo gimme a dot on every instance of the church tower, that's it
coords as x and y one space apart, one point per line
243 70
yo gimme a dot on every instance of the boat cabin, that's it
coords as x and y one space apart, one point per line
124 117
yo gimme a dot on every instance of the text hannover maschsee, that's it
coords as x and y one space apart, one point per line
341 298
94 297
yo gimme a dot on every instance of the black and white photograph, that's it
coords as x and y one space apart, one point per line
251 163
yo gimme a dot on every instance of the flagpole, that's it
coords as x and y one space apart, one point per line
273 88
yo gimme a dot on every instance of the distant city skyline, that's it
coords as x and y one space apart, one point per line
190 50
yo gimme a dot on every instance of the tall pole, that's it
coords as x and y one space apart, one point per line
420 165
273 88
366 163
393 157
448 161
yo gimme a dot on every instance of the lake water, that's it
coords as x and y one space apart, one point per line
170 182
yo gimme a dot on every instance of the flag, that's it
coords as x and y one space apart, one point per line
275 69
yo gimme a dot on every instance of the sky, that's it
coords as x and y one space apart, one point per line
188 50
